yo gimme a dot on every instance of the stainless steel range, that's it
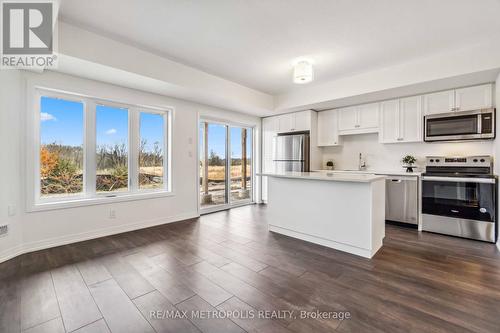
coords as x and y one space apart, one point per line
459 197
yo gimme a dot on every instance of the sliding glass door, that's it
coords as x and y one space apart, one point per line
226 165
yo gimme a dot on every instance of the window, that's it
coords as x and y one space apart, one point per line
112 149
61 147
90 150
151 150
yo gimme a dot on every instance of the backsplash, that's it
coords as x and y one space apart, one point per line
388 156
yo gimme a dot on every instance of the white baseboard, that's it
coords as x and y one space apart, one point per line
367 253
69 239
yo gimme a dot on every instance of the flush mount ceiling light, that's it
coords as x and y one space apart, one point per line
303 72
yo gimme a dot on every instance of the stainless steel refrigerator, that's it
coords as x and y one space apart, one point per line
291 152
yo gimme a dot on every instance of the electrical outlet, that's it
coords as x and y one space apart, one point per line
11 210
4 230
112 214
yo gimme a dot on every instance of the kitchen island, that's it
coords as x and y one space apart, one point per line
344 211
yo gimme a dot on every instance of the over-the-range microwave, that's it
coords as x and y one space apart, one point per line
462 125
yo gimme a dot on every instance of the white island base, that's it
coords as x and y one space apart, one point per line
346 213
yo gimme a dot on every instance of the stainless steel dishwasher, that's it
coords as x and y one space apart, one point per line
401 204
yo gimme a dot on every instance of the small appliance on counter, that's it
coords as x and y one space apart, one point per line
459 197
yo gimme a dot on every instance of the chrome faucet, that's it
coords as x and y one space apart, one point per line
361 163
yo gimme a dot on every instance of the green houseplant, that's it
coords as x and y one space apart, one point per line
408 162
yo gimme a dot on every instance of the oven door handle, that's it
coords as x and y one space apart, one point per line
460 179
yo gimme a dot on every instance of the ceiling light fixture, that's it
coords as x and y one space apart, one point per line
303 72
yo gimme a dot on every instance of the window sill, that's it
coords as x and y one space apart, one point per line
99 200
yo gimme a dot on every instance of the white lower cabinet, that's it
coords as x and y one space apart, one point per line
328 134
401 120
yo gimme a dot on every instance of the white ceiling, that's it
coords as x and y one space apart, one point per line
254 43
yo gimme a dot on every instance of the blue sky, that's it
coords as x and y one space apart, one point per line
151 129
217 140
111 125
62 123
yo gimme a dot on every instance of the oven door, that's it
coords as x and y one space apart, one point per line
461 198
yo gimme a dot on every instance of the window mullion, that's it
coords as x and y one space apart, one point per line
89 172
134 143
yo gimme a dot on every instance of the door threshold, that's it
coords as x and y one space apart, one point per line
209 210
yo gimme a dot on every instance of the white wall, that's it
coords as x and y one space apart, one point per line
31 231
10 176
388 156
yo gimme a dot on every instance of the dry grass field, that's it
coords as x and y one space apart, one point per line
216 173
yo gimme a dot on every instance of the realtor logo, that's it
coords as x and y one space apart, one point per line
27 34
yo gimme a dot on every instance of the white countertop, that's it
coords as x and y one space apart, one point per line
359 177
376 172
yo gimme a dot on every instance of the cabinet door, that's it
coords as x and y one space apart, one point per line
270 127
302 121
440 102
348 119
473 98
286 122
328 128
368 115
389 121
410 119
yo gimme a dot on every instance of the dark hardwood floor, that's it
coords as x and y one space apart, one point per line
229 262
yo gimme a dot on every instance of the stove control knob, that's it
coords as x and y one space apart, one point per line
482 210
437 161
482 160
431 160
475 160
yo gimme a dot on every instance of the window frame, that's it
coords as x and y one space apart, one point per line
89 195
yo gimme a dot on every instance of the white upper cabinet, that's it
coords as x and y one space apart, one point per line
270 127
368 116
463 99
440 102
302 121
359 119
328 134
401 120
389 121
410 119
286 122
295 122
473 98
348 119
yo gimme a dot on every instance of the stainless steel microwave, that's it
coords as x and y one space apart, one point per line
463 125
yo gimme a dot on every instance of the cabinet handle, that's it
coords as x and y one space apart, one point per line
400 139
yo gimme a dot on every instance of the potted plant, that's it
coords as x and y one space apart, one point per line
408 162
330 165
